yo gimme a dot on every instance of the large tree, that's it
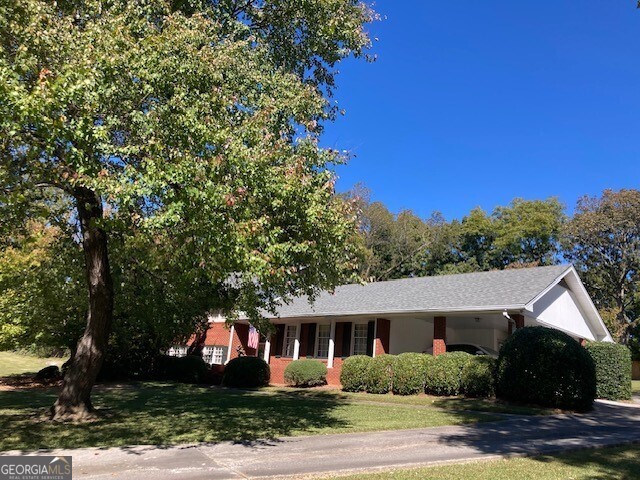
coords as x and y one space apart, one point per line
603 241
197 120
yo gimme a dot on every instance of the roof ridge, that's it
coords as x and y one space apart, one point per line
496 270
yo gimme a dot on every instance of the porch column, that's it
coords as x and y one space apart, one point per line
439 335
332 344
381 342
267 348
518 320
296 343
231 332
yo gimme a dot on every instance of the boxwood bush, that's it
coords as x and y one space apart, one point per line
477 378
547 367
306 373
188 369
354 374
444 374
409 373
613 370
246 372
380 374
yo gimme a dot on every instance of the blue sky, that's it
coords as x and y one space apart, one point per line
475 102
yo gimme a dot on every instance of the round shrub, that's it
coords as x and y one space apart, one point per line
355 371
380 375
246 372
189 369
613 370
409 372
306 373
445 372
547 367
477 378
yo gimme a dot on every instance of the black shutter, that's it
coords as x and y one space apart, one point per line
311 339
371 331
346 339
279 340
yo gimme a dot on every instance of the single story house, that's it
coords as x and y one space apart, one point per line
413 315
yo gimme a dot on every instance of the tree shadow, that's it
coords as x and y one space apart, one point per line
606 425
166 414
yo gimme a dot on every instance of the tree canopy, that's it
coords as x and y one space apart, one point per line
523 233
190 121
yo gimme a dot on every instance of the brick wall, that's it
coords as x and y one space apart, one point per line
383 329
439 335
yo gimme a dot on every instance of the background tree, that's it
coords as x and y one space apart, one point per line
523 233
603 241
198 120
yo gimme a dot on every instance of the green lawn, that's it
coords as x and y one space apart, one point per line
452 403
616 463
12 363
635 386
163 413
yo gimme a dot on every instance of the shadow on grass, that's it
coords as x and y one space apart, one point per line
162 414
490 405
620 463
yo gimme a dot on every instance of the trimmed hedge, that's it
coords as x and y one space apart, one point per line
380 374
409 373
613 370
477 378
246 372
354 374
445 372
306 373
547 367
189 369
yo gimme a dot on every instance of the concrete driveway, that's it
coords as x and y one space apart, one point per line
608 424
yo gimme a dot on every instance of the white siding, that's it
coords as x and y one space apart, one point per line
559 309
410 335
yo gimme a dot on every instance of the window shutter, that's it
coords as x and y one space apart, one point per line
346 339
304 336
279 339
311 339
371 331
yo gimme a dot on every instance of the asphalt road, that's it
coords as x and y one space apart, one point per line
300 457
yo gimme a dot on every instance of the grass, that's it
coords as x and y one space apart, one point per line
12 363
635 386
613 463
163 413
453 403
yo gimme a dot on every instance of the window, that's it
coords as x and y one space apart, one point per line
324 331
289 340
214 355
177 351
360 331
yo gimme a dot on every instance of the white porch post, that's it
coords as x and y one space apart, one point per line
296 343
375 335
231 332
332 344
267 349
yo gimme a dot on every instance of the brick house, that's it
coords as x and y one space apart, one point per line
413 315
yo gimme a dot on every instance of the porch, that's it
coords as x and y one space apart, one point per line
333 340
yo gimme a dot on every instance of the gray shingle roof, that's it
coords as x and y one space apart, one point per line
495 290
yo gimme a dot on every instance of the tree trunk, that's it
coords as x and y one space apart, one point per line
74 401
